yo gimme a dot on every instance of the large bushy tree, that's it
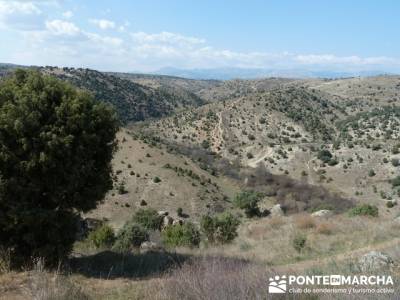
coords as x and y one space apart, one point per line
56 146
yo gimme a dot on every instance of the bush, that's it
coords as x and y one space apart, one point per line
156 179
395 162
121 189
179 211
299 242
248 200
364 210
205 144
181 235
371 173
390 204
324 155
395 181
332 162
148 219
55 162
220 229
130 236
102 237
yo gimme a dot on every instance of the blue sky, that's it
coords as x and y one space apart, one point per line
148 35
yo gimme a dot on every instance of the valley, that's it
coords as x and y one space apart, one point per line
187 148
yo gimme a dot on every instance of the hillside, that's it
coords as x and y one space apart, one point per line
191 146
284 128
133 102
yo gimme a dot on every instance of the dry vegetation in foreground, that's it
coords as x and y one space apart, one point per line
202 278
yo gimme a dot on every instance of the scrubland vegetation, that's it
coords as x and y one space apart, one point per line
214 187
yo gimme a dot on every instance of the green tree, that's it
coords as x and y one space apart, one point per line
129 237
221 228
148 218
102 237
56 146
181 235
248 200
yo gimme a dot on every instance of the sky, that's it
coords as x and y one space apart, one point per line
144 36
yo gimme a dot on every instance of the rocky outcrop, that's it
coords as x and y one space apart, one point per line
276 211
375 260
323 213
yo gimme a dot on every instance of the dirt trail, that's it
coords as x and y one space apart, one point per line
306 264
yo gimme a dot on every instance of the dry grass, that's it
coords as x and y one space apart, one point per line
214 278
5 261
325 228
273 246
276 222
304 221
53 286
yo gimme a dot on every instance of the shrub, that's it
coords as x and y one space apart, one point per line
395 162
364 210
299 242
371 173
55 162
156 179
148 218
179 211
205 144
395 181
181 235
121 189
324 155
102 237
248 200
221 228
130 236
390 204
333 162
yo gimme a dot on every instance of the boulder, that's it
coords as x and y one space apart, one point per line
323 213
178 221
276 211
167 221
162 213
375 260
149 247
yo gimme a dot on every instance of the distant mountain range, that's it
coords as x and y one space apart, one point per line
244 73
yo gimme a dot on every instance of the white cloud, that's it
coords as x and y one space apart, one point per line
59 27
167 38
62 42
20 15
68 14
103 23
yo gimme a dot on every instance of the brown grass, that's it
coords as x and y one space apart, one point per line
276 222
53 286
304 222
325 228
214 278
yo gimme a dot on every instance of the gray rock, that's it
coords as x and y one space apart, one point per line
323 213
276 211
178 221
375 260
162 213
167 221
149 246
